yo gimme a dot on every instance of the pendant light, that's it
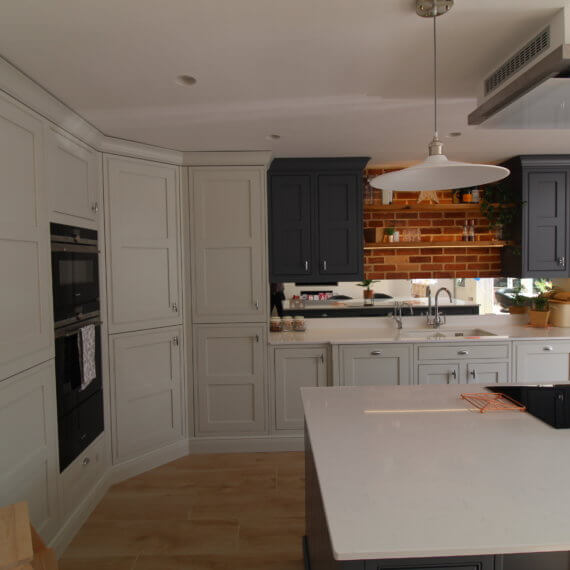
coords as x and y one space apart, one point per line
436 172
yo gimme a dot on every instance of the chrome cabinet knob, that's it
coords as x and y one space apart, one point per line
376 353
548 348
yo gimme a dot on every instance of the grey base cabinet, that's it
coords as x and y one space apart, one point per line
542 361
295 368
375 364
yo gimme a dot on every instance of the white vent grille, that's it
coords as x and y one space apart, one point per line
523 57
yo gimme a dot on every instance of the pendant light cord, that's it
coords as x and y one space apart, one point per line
435 75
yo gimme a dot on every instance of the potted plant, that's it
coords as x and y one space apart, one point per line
519 305
389 234
368 292
539 312
501 205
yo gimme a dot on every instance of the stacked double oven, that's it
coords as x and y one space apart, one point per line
75 274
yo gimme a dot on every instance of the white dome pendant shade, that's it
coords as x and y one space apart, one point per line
436 172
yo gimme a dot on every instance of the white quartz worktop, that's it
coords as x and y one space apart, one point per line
410 471
383 329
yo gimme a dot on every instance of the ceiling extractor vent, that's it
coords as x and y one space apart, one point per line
536 46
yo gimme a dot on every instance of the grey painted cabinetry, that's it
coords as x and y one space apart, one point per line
375 364
543 183
315 219
542 361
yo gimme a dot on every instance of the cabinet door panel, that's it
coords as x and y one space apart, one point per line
28 450
340 228
229 244
26 326
447 373
296 368
546 211
290 207
547 361
143 244
376 365
229 364
73 180
147 393
487 372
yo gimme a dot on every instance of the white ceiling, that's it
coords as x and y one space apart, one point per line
332 77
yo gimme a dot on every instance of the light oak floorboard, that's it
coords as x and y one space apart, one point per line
241 511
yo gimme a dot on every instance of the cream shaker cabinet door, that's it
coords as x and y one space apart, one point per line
229 244
143 260
26 325
229 365
296 368
444 373
542 361
487 372
28 445
74 175
146 393
376 364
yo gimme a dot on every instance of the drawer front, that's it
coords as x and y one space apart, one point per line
463 351
83 474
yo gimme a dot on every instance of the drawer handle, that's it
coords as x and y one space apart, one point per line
473 374
306 265
376 353
95 207
463 352
548 348
174 307
175 341
86 461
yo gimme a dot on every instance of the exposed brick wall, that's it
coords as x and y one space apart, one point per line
426 263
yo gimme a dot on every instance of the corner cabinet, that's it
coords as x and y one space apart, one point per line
315 219
26 322
143 244
228 244
544 232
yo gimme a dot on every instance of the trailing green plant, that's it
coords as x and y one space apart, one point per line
367 282
518 299
501 205
540 304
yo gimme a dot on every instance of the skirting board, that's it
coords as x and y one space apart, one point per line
245 444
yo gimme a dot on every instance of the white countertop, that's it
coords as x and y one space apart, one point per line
416 302
383 330
415 483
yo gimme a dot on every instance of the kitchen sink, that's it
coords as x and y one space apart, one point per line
448 334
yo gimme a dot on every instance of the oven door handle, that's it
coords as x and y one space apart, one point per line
73 248
70 331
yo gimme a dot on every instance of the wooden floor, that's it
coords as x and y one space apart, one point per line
202 512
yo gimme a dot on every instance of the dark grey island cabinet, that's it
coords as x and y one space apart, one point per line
543 183
315 219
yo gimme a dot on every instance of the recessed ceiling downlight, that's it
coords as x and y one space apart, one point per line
273 137
186 80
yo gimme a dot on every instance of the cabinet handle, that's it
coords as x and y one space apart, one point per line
95 207
548 348
324 264
86 461
257 305
306 265
322 358
175 341
561 261
376 353
256 338
463 352
174 307
454 374
473 374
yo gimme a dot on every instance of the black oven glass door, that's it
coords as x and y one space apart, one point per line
75 280
68 373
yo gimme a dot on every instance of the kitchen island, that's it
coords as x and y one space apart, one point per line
412 477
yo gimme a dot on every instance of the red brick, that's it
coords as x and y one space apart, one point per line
430 231
488 257
422 223
456 266
454 250
443 274
453 230
478 266
420 275
420 259
396 276
460 258
374 276
448 223
431 251
383 215
374 259
455 215
384 267
479 250
443 258
431 267
407 215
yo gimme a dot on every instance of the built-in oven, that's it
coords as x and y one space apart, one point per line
75 273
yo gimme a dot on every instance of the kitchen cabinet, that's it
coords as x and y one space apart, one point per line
73 172
28 449
489 562
143 244
296 368
146 391
541 361
26 321
375 364
228 244
315 219
544 235
229 379
463 363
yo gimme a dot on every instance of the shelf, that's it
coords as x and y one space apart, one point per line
428 207
434 244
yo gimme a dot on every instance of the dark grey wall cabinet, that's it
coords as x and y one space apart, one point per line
315 219
544 231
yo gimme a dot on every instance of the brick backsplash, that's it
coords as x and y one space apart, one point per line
434 226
